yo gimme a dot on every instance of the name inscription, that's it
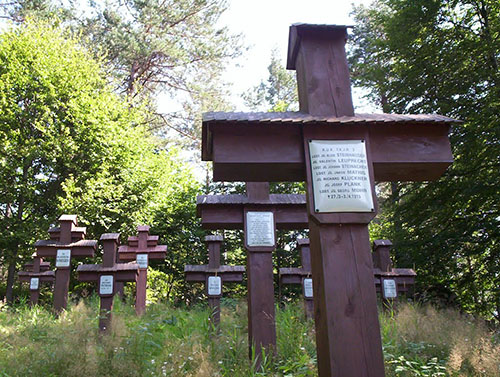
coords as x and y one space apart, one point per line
63 257
142 260
106 285
34 284
308 287
390 290
214 286
260 229
340 175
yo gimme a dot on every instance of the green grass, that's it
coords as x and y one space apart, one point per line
169 341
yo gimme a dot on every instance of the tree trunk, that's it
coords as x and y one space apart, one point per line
11 274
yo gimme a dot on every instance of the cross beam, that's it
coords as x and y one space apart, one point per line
108 275
302 276
326 139
214 275
142 248
35 273
66 242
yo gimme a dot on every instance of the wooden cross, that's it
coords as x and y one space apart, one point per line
108 275
35 273
66 242
340 155
214 275
142 248
259 214
302 276
390 282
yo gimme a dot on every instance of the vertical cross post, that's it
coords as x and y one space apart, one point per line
142 248
66 242
107 275
214 275
260 242
302 276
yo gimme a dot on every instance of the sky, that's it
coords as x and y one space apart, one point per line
265 25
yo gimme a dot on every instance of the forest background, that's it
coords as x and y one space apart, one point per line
80 133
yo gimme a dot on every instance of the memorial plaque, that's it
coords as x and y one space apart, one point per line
340 175
63 258
308 288
142 260
390 288
106 285
260 229
34 284
214 286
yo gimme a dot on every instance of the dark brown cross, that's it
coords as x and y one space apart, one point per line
108 275
301 275
340 155
35 273
66 242
214 275
142 248
390 282
266 212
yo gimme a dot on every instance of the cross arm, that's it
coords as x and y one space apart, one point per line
199 273
45 276
292 275
122 272
128 253
82 248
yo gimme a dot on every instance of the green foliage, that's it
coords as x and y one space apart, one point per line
169 341
441 57
278 93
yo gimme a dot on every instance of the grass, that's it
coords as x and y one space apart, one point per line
166 341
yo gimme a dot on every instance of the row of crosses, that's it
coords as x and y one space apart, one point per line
67 242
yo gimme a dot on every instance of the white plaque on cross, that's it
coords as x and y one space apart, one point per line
34 284
106 285
308 288
260 228
63 257
340 176
390 290
214 286
142 260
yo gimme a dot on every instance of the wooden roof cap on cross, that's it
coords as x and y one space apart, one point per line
143 243
274 150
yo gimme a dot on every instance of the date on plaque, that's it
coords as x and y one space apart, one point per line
260 228
340 176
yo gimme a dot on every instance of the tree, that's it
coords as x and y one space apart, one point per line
60 125
278 93
442 56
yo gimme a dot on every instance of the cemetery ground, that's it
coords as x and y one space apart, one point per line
167 341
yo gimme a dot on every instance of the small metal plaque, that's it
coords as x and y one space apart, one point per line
106 285
34 284
308 287
214 286
63 258
260 229
142 260
390 290
340 175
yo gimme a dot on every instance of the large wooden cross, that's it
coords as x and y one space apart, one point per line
213 275
66 242
259 214
301 275
142 248
35 273
108 275
390 282
340 155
